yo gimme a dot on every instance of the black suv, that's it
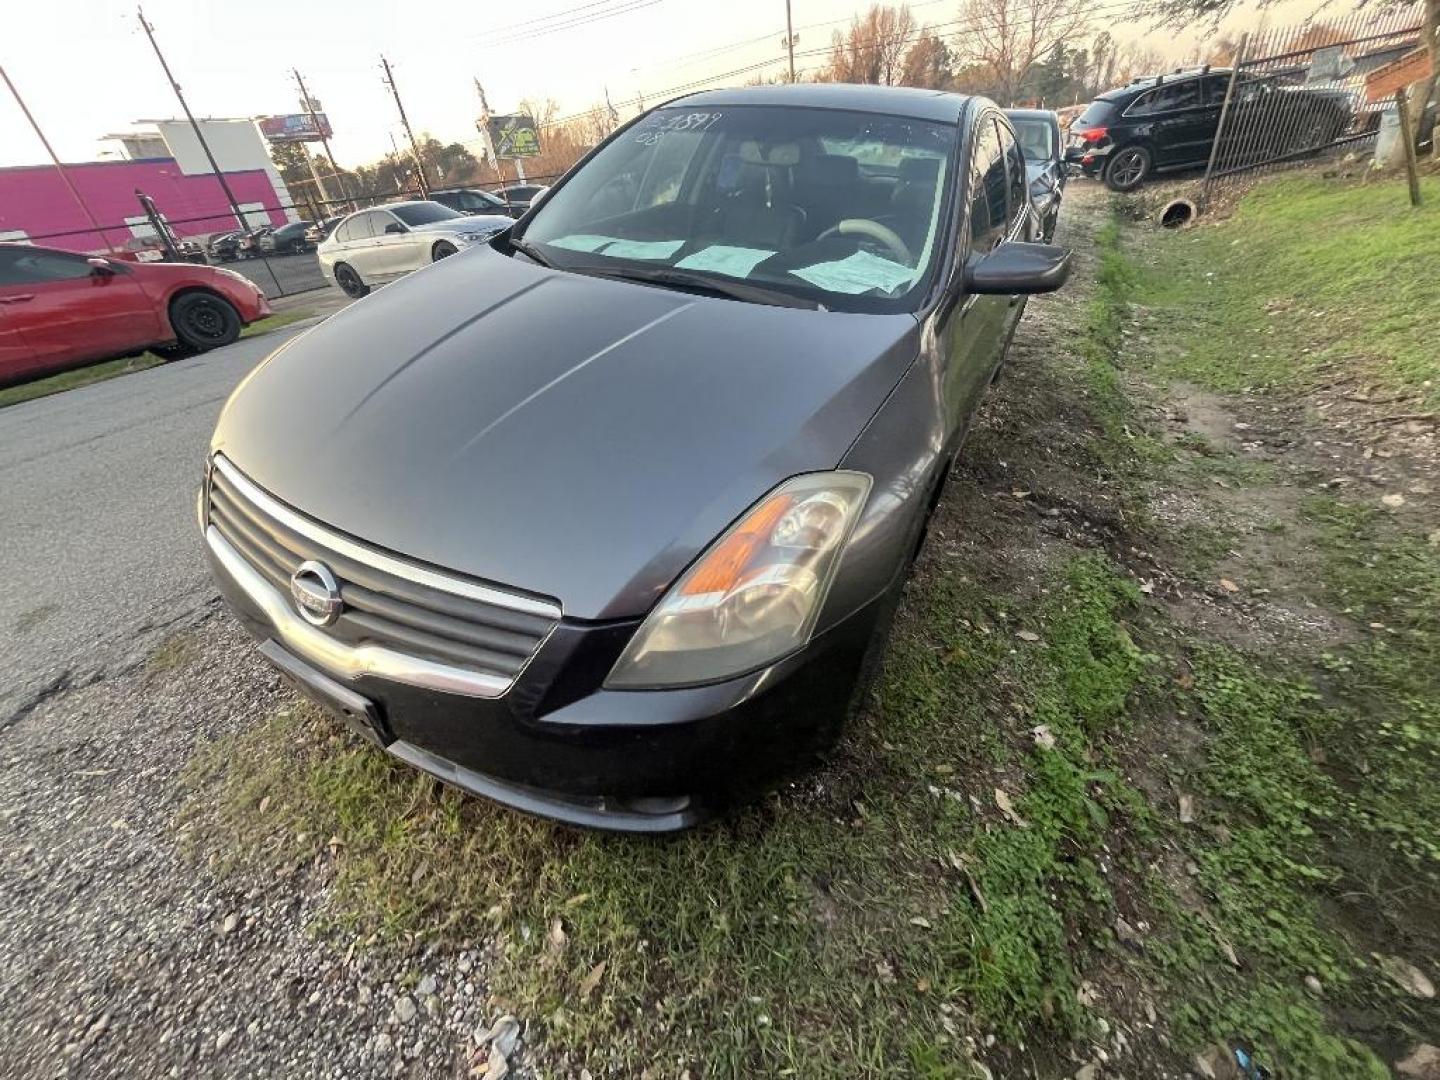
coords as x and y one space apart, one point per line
1166 122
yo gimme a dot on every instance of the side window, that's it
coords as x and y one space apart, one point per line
1018 188
363 227
988 185
345 231
380 220
1215 86
1167 98
33 267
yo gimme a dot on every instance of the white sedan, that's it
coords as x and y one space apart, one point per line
374 246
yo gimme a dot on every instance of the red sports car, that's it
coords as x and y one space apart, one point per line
59 309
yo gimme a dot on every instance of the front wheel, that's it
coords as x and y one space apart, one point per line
349 281
204 320
1127 168
443 250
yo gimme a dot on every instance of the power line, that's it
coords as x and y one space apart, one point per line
951 35
625 7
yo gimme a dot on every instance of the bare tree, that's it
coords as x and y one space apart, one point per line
927 63
874 49
1010 37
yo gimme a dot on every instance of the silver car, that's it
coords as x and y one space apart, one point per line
374 246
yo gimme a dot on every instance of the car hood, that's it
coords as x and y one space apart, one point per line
469 223
567 435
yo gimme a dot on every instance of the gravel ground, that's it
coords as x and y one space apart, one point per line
122 956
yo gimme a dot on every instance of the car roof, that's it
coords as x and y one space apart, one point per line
1146 82
1033 114
918 104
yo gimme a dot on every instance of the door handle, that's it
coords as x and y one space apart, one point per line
16 299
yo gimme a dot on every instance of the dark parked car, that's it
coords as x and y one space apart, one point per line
1039 134
287 239
520 197
250 244
473 201
225 247
319 230
1168 122
607 519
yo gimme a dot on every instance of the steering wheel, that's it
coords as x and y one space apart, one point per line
881 234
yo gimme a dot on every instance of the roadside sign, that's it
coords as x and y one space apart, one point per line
514 136
1382 83
297 127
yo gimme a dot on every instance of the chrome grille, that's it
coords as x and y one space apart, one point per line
389 603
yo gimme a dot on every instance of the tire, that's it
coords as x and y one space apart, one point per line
1127 168
204 321
443 250
349 281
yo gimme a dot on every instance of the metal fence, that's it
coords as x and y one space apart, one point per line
1298 92
277 274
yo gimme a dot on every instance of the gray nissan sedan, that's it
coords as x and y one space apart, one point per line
606 518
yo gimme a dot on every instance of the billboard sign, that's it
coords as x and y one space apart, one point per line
514 136
297 127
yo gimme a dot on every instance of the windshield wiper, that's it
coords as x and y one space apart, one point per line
523 245
668 277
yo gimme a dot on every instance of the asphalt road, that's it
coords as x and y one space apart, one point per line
99 551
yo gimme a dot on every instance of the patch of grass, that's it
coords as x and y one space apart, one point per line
821 936
109 369
1307 272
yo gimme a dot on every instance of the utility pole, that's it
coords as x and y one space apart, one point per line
215 168
483 126
405 122
309 103
59 168
790 39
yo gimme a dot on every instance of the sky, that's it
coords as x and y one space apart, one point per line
85 68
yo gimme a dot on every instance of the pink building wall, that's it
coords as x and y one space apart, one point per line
33 198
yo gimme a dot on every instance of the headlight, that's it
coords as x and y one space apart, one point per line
755 594
472 237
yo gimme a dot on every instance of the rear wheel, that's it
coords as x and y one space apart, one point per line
443 250
204 320
1127 168
349 281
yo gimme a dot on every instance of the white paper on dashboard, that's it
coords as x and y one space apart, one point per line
858 273
643 249
724 259
581 242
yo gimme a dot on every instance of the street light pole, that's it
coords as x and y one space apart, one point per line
790 39
224 186
405 122
59 168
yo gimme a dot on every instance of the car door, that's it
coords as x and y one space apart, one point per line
360 249
400 250
69 311
971 329
1181 122
15 355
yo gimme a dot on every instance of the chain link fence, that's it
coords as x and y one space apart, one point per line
277 273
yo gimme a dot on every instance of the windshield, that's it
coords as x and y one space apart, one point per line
423 213
840 208
1037 139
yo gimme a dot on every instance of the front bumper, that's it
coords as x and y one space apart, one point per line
559 745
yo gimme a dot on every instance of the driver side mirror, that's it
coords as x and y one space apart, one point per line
1014 268
100 267
395 227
